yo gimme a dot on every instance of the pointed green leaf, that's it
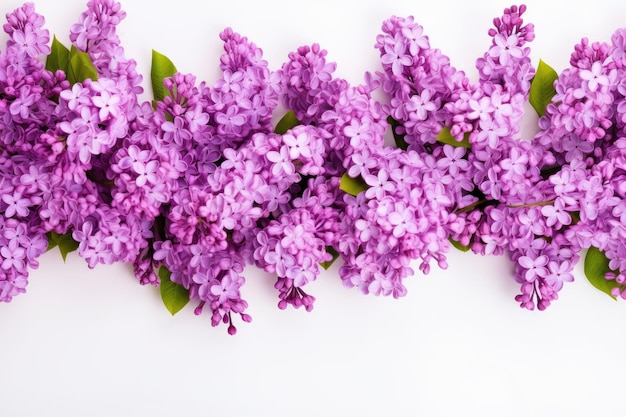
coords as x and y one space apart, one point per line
174 295
334 253
542 87
162 68
352 186
397 137
80 67
459 245
596 267
289 121
51 242
446 137
65 243
59 57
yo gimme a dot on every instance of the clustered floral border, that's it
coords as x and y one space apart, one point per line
197 184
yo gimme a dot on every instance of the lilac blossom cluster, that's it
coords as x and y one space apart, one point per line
97 116
59 140
28 169
486 179
583 141
202 184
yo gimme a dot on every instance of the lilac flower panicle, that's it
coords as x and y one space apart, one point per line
202 185
27 102
25 29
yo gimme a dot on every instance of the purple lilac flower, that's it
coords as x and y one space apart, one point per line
95 33
223 172
496 192
27 101
582 141
203 186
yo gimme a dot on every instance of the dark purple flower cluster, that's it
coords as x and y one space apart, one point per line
201 184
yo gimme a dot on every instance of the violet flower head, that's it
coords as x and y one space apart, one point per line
202 185
25 28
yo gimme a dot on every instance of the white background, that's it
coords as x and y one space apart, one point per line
86 342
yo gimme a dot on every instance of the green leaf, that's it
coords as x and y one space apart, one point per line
174 295
80 67
162 68
51 242
289 121
352 186
398 138
542 87
446 137
459 245
65 242
59 57
596 267
334 253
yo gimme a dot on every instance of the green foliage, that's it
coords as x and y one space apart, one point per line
65 243
458 245
335 255
352 186
446 137
76 65
596 267
174 295
80 67
161 68
289 121
59 58
542 87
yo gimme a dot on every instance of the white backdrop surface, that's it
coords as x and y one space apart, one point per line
86 342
